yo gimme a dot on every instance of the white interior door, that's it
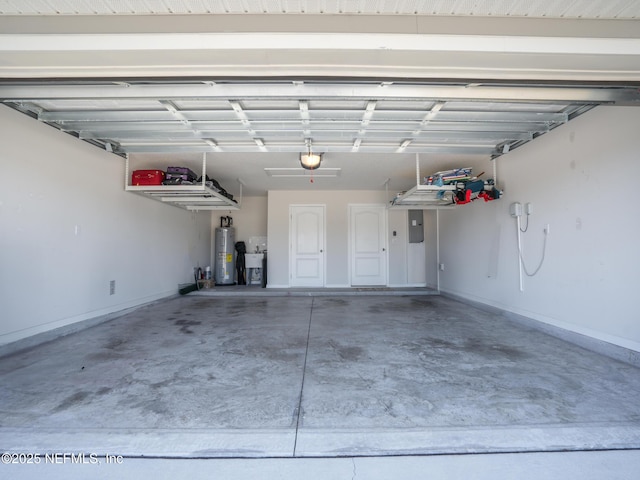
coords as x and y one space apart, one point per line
306 231
367 227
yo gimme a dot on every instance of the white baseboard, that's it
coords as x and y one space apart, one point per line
36 335
621 349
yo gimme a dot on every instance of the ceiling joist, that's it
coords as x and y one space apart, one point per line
320 91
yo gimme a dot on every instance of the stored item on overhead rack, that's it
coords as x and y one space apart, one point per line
467 192
147 177
213 184
177 179
449 176
493 194
464 191
182 172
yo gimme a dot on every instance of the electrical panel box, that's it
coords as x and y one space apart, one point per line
416 229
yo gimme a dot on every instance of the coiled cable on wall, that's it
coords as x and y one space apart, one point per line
527 227
516 212
544 251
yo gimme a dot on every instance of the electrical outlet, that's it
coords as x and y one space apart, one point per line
441 267
112 287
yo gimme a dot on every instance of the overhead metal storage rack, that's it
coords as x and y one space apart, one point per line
190 197
427 197
424 197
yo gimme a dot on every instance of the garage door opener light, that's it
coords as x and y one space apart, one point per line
309 160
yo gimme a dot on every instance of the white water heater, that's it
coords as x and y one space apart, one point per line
225 239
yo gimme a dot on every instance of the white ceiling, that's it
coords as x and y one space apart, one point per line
608 9
457 82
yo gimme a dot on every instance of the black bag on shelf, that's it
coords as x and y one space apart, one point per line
212 183
172 181
187 173
179 179
227 194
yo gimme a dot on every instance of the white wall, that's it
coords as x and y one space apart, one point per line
409 264
412 264
582 180
49 275
249 221
398 246
431 248
337 221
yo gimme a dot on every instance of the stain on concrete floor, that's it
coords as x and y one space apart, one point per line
369 364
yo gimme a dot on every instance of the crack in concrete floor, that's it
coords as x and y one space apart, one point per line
317 376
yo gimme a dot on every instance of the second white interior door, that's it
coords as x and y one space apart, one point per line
367 227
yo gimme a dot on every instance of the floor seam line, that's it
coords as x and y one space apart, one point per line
304 372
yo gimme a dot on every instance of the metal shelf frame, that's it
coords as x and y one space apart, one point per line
426 197
189 197
423 197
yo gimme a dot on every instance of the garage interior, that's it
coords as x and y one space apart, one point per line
503 325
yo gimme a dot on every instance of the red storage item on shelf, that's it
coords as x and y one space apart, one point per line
147 177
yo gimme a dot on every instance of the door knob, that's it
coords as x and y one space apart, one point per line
384 249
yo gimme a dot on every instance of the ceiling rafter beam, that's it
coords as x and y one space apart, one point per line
374 148
497 93
433 112
170 106
403 146
175 111
303 106
379 126
294 133
277 116
368 113
431 115
304 111
366 119
492 130
212 143
260 143
244 119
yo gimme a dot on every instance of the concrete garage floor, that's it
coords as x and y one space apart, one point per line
314 377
